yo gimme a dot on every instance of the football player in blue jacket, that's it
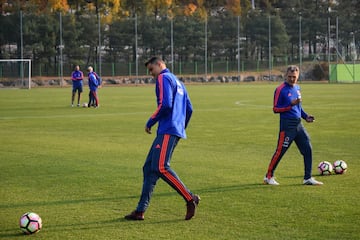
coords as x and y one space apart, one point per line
287 102
93 86
172 115
77 77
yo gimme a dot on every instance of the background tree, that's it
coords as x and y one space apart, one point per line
222 36
121 40
188 18
348 18
40 33
74 40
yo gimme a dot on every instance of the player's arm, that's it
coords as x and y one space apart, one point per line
73 76
281 102
307 117
189 111
80 76
164 101
93 80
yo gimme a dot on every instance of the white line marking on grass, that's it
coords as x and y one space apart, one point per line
247 104
237 103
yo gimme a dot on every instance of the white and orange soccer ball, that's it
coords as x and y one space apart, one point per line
325 168
340 166
30 223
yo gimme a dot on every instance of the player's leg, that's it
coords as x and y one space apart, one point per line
90 98
161 164
91 101
282 147
156 162
303 143
286 136
95 99
79 95
163 153
73 91
149 181
78 100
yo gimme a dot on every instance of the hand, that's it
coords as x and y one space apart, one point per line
310 119
295 101
148 130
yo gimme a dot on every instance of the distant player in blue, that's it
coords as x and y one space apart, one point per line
77 77
173 114
287 102
92 101
93 86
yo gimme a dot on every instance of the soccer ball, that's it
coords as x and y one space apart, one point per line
85 105
340 166
30 223
325 168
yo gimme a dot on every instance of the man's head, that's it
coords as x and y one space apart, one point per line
292 75
155 65
77 67
90 69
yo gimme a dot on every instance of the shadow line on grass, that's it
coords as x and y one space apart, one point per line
64 202
216 189
79 226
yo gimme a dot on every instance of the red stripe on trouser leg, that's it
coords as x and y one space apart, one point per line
276 157
96 98
166 174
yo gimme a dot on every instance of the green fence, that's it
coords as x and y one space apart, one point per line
344 73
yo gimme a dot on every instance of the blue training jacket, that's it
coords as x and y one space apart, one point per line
77 75
283 96
174 107
77 78
93 82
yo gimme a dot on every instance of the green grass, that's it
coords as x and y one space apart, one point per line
81 169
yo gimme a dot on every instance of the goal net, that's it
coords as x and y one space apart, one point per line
15 73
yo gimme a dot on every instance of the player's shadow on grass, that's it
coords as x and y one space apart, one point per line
16 233
12 233
234 187
224 188
229 188
122 197
65 202
152 221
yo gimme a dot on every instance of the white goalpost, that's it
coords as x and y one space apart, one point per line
12 73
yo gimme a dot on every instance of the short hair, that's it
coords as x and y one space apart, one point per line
153 60
90 68
292 68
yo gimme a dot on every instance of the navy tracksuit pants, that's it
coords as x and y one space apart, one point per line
292 130
157 165
93 98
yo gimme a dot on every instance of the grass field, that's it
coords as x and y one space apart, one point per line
80 169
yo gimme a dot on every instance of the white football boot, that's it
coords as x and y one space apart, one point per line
270 181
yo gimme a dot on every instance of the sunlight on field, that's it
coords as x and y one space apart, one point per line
80 168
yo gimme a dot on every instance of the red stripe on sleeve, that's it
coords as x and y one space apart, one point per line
160 97
277 94
276 99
